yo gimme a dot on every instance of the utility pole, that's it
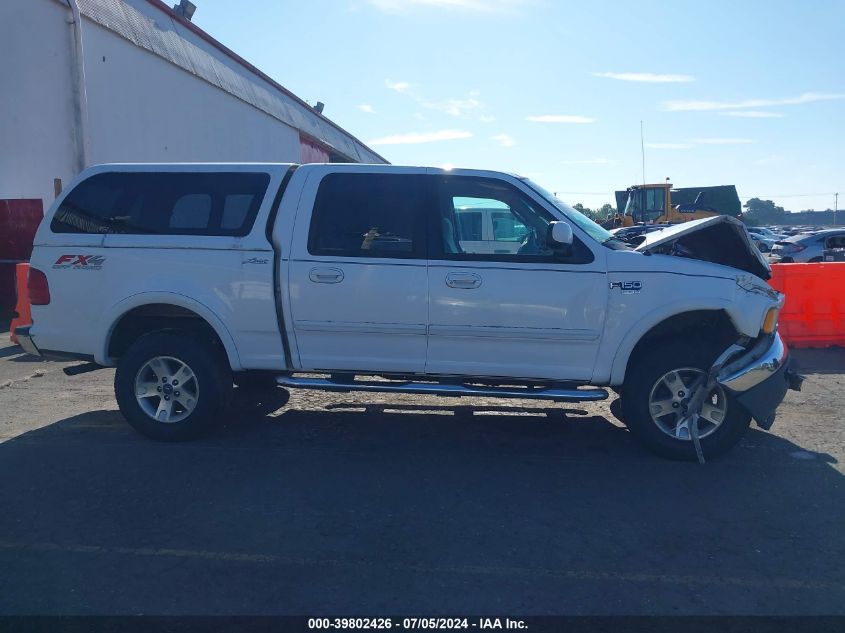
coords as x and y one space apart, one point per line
835 206
642 148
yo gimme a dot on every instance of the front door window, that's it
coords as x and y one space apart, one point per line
480 218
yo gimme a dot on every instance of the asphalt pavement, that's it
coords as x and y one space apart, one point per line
368 504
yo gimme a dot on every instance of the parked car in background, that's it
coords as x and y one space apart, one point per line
797 230
763 243
491 231
834 255
766 231
763 237
807 247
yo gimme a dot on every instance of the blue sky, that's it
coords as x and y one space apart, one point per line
744 92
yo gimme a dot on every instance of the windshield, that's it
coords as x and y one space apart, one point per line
630 204
582 221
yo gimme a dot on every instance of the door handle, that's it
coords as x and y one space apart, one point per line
465 281
326 275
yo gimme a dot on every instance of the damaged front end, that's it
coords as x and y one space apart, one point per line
719 240
758 377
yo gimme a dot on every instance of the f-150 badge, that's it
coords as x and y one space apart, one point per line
627 287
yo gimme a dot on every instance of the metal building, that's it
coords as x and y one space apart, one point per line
94 81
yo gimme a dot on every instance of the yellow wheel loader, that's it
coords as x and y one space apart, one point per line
661 204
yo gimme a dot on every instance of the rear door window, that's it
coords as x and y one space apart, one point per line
165 203
370 215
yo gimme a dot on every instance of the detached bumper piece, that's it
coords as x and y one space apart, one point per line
760 378
25 340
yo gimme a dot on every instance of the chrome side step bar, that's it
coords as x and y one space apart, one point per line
438 389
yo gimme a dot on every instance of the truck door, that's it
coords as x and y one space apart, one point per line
357 279
521 310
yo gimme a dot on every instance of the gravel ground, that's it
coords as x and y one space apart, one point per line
369 504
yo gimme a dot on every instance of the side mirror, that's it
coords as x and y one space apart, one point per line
560 236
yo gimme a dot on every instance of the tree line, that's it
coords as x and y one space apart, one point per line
596 215
763 212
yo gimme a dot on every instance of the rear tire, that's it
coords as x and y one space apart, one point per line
651 406
172 386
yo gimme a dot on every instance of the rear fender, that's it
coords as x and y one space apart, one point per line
114 314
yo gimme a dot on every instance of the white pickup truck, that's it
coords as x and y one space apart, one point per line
190 278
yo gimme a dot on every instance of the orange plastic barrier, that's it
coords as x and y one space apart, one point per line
23 316
814 312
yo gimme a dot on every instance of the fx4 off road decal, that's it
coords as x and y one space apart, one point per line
80 262
627 287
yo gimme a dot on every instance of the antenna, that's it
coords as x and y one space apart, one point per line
642 148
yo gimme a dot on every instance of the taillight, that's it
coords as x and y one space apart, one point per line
39 289
790 247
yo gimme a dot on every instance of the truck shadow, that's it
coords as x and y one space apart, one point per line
490 507
828 360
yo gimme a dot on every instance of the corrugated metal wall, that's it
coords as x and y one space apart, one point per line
149 28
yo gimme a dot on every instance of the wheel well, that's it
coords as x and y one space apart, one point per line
714 326
158 316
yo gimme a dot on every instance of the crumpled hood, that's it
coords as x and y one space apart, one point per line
720 240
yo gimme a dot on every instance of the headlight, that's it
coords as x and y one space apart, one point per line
771 321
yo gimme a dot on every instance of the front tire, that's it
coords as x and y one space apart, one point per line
171 386
656 386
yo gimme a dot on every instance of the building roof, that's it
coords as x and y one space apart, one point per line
152 25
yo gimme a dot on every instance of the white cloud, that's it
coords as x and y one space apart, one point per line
487 118
412 138
366 107
653 78
505 140
754 114
591 161
692 142
771 159
669 145
453 107
721 141
398 86
704 106
559 118
478 6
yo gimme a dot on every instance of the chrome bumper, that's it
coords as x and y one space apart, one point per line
755 366
760 378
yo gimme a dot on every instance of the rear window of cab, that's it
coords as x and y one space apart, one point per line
163 203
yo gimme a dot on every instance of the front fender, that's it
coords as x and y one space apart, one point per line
113 315
653 318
